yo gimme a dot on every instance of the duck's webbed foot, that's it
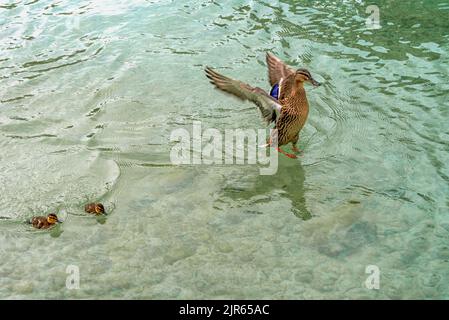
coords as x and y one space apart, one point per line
290 155
296 149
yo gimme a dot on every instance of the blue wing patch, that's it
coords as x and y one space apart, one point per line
275 91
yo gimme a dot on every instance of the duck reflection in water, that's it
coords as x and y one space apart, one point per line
289 179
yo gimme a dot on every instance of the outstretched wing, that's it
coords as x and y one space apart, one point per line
277 69
268 106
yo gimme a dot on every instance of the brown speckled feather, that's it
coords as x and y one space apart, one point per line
40 222
295 110
277 69
268 106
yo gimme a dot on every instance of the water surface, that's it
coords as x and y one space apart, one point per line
91 90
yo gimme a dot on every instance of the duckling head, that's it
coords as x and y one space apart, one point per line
52 218
99 208
303 75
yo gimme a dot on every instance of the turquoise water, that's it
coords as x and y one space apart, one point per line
90 92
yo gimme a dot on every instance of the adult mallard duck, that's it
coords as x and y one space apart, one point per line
44 222
286 105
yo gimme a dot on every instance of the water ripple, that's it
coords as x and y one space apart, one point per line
90 92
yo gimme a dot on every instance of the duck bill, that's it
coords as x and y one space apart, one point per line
315 83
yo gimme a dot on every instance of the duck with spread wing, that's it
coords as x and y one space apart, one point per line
286 106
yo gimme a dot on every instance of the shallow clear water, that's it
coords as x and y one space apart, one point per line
91 90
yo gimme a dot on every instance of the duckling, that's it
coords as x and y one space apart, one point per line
44 222
94 208
286 105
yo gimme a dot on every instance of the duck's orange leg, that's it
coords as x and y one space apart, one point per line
294 147
290 155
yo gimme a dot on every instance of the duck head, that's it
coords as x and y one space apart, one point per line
303 75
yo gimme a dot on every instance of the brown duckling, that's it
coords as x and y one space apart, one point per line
44 222
94 208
